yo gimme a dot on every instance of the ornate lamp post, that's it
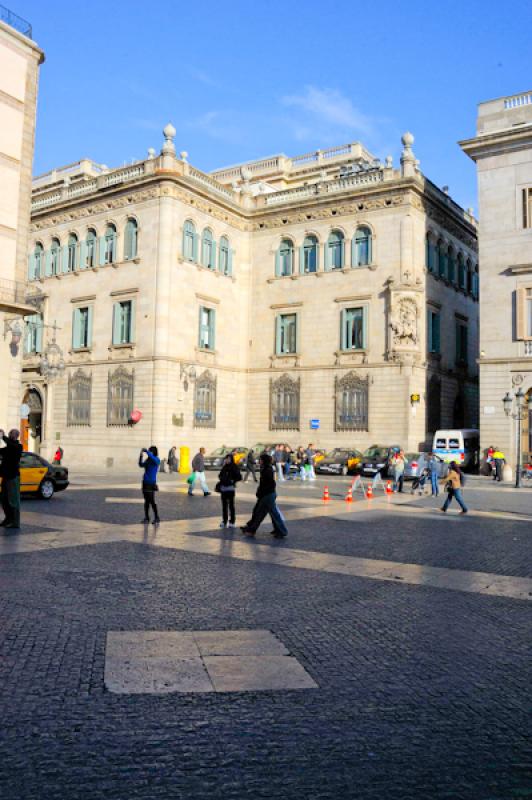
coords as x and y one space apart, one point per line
52 364
519 415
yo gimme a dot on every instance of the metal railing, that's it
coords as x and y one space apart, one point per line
16 22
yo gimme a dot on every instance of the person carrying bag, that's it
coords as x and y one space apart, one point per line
229 476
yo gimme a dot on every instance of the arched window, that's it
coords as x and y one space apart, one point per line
284 258
474 288
55 256
225 259
284 403
120 393
351 401
362 247
79 398
335 251
462 273
110 244
442 259
309 261
89 259
190 241
38 261
72 252
130 239
208 249
451 264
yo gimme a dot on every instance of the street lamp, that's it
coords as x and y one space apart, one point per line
519 415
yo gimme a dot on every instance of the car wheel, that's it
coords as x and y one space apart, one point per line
46 489
344 471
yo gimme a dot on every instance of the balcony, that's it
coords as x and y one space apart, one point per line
16 22
13 298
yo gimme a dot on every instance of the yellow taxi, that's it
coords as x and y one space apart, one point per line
38 476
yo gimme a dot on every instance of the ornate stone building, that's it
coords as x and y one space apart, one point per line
237 306
502 150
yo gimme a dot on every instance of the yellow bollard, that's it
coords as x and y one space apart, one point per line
184 460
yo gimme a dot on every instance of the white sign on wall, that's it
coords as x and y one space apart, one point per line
489 409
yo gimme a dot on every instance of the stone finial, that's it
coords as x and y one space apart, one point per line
408 159
388 162
169 133
245 174
183 155
151 153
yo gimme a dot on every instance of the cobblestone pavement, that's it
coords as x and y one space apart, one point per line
423 692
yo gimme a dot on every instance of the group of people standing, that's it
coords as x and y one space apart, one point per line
302 459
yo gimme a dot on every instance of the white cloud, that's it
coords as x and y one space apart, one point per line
332 107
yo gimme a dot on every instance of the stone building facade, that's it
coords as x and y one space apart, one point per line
19 73
236 307
502 150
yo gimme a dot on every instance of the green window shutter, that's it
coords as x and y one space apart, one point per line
195 247
278 328
354 252
342 254
436 334
429 331
184 243
317 251
101 247
132 304
278 262
213 251
64 258
230 261
212 328
296 317
301 259
365 327
76 328
116 323
31 267
343 329
326 257
38 333
89 327
82 254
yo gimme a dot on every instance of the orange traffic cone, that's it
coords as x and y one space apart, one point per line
389 489
325 497
349 496
369 492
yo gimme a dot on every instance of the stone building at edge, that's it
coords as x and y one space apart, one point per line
234 307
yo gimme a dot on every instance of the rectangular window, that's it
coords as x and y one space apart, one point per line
286 334
461 343
353 329
523 309
433 331
207 324
81 327
123 318
33 328
527 208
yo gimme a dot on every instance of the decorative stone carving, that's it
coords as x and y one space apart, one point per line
404 323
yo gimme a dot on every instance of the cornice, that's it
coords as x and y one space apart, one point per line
505 141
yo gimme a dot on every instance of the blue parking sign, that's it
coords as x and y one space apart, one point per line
314 424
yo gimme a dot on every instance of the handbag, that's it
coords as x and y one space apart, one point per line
191 478
218 487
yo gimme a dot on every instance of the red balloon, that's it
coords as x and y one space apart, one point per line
136 415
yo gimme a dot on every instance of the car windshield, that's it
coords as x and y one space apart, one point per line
337 453
376 452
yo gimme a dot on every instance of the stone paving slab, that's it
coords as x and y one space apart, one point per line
257 673
156 675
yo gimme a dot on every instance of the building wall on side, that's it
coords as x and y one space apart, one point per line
19 63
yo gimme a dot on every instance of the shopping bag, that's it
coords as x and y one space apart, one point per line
191 478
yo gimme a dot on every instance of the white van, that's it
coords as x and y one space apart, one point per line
461 446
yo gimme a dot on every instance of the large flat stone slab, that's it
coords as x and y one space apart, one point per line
257 673
239 643
151 644
156 676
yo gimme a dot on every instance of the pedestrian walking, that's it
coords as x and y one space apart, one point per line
398 468
58 455
300 461
266 502
228 476
150 462
310 454
455 481
500 460
278 457
287 462
198 473
173 461
10 474
250 466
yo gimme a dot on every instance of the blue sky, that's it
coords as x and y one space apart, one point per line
243 79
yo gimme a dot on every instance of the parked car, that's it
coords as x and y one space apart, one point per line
215 459
377 459
339 461
415 463
38 476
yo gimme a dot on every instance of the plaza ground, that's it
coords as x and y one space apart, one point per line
413 628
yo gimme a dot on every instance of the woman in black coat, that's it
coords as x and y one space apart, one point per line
229 476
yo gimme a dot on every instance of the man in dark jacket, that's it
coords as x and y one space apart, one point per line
250 465
10 474
266 502
198 470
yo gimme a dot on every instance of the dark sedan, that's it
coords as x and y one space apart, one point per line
339 462
215 459
377 459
